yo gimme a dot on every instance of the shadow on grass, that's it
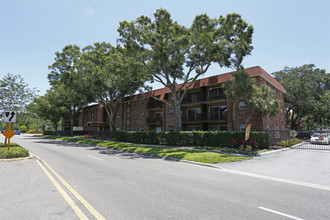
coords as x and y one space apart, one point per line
132 151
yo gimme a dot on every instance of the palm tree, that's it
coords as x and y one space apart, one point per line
263 100
239 88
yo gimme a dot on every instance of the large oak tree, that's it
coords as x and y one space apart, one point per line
109 74
307 98
174 54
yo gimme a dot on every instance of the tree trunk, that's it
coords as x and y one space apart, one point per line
178 115
249 117
292 122
234 117
112 125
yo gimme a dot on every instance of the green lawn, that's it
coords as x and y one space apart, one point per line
15 151
185 154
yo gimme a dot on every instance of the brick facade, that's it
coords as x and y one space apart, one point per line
205 107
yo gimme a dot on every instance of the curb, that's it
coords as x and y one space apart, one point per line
274 151
17 159
297 145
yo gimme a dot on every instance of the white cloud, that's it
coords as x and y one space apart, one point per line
90 11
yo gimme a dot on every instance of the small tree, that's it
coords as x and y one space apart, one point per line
15 93
263 100
239 88
51 106
165 48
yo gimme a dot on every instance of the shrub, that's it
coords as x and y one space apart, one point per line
23 128
203 139
50 132
15 151
288 143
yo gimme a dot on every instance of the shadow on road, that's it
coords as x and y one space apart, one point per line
102 150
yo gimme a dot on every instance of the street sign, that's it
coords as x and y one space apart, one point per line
9 134
293 133
10 116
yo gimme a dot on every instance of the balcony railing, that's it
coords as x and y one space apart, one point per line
151 105
154 120
203 117
216 97
189 99
202 98
198 117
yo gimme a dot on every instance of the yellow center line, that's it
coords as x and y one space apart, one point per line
92 210
73 205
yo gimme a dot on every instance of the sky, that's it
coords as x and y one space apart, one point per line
286 32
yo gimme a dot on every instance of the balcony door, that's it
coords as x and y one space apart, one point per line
194 114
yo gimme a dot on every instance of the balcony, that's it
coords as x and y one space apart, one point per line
151 105
155 120
203 117
216 97
198 117
202 97
194 98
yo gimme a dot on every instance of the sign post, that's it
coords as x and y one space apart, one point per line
10 116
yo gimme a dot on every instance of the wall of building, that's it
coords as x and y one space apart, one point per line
138 114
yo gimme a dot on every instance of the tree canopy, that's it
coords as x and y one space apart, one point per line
110 74
66 83
263 100
307 99
173 53
15 93
239 88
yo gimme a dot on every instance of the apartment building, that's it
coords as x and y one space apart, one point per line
205 107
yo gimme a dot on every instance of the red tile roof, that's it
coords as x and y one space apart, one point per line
253 71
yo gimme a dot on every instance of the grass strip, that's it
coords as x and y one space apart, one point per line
15 151
184 154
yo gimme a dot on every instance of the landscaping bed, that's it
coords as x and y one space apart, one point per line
15 151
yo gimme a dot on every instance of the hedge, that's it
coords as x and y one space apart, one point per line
258 140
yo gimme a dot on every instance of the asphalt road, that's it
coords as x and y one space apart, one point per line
121 185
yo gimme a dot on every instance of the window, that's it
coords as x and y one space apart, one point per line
243 106
171 111
194 114
142 129
193 97
118 117
218 113
170 128
242 127
216 93
142 115
215 113
158 129
159 115
128 116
